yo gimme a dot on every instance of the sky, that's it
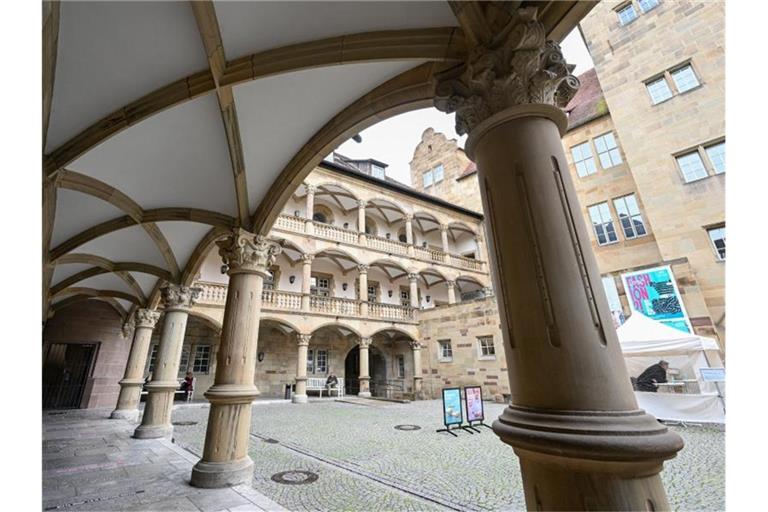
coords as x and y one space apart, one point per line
393 141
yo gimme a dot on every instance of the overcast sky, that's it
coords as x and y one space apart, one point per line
393 141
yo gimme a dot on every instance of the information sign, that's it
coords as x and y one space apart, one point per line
474 396
452 413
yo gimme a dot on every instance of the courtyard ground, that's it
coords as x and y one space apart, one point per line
356 455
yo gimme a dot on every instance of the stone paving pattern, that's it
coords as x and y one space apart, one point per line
365 464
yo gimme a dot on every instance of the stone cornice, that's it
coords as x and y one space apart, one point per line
244 252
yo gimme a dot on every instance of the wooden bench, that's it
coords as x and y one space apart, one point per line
318 384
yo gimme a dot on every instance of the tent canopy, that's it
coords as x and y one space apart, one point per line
640 335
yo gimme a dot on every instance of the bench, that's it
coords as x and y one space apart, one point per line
179 391
318 384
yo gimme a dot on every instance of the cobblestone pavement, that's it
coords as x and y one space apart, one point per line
365 464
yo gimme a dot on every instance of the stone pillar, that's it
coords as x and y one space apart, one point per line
451 285
409 234
417 375
309 226
413 281
365 379
133 379
225 460
363 291
300 393
177 300
480 248
306 280
573 421
444 237
361 221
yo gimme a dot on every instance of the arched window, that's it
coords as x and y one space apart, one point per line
320 217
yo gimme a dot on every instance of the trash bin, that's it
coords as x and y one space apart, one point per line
288 391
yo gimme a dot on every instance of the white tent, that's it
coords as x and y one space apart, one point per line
644 342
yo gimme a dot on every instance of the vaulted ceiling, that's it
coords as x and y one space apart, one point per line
166 123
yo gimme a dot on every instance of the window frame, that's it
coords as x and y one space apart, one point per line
608 150
680 67
424 176
583 160
710 145
712 244
623 7
602 224
691 152
205 356
153 357
318 369
435 181
377 168
400 365
658 78
482 348
631 216
441 357
643 11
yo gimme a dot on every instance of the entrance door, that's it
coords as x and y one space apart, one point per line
377 369
65 373
352 372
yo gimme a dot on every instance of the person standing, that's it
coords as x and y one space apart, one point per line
652 376
188 386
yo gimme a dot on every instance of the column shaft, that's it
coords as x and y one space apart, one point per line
363 278
451 286
414 291
300 392
365 387
309 227
361 221
417 375
444 238
306 281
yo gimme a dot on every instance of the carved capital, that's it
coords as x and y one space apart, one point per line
488 291
362 269
450 284
303 339
179 297
307 258
243 252
362 203
311 189
365 342
408 217
147 318
518 66
413 276
415 345
443 228
128 328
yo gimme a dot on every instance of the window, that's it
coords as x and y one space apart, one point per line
400 359
685 79
152 358
405 298
310 361
202 362
716 155
717 236
647 5
320 286
437 173
269 281
320 217
321 361
373 293
691 166
659 90
427 179
629 216
607 150
583 159
627 14
378 172
444 350
184 363
485 345
602 224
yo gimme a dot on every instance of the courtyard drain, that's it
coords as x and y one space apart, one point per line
296 477
271 441
407 427
184 423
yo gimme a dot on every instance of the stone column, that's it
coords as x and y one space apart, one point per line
133 379
309 226
225 460
361 221
413 281
156 422
451 285
306 280
573 421
363 291
417 375
365 379
444 237
409 234
300 393
480 248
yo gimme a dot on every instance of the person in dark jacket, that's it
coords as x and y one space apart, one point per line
653 375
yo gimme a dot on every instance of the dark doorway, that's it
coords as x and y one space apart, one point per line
377 369
65 374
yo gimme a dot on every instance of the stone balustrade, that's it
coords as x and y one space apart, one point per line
335 233
334 305
463 261
391 311
278 299
212 293
429 254
290 223
379 243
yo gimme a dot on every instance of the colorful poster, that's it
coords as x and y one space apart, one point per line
653 292
474 396
452 414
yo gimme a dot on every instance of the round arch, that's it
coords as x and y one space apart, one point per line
393 329
277 320
209 320
339 325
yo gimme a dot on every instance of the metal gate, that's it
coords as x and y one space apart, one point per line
65 374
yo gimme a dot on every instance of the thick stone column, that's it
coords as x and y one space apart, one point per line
133 379
417 375
309 226
365 378
444 237
156 422
413 281
361 204
409 234
573 420
306 280
451 286
225 460
363 292
300 392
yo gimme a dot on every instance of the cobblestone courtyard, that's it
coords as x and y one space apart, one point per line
364 463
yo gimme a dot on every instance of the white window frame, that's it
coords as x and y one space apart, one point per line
603 223
580 161
321 361
710 232
202 361
427 179
649 87
677 71
441 352
310 361
711 160
687 177
611 152
625 8
643 10
631 215
400 365
437 177
486 351
377 171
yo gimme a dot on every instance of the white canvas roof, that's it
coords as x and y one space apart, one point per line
641 335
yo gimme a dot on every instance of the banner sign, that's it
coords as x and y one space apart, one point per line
712 374
474 396
452 413
653 292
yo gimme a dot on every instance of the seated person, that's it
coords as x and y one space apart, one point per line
653 375
332 382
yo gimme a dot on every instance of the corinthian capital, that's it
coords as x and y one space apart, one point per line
179 297
518 66
365 342
147 318
303 339
243 252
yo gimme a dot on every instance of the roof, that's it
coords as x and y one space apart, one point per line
588 103
469 170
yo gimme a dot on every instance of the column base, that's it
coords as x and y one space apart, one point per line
364 394
213 475
300 399
125 414
153 431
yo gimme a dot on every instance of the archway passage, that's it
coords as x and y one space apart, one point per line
377 369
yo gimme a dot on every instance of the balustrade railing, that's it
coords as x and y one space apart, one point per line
336 233
212 293
386 245
334 305
393 311
277 299
429 254
290 223
463 261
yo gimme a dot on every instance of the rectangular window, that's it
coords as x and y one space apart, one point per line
685 79
602 224
269 281
437 173
583 159
405 298
716 154
427 179
320 286
629 216
321 361
647 5
310 361
373 295
378 172
444 350
400 366
202 362
717 236
691 166
627 14
487 350
184 362
152 358
607 150
659 90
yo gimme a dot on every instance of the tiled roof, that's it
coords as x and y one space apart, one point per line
588 103
470 169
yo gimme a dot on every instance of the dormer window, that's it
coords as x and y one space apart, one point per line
377 171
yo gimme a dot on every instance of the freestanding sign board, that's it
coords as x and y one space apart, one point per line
453 413
474 396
